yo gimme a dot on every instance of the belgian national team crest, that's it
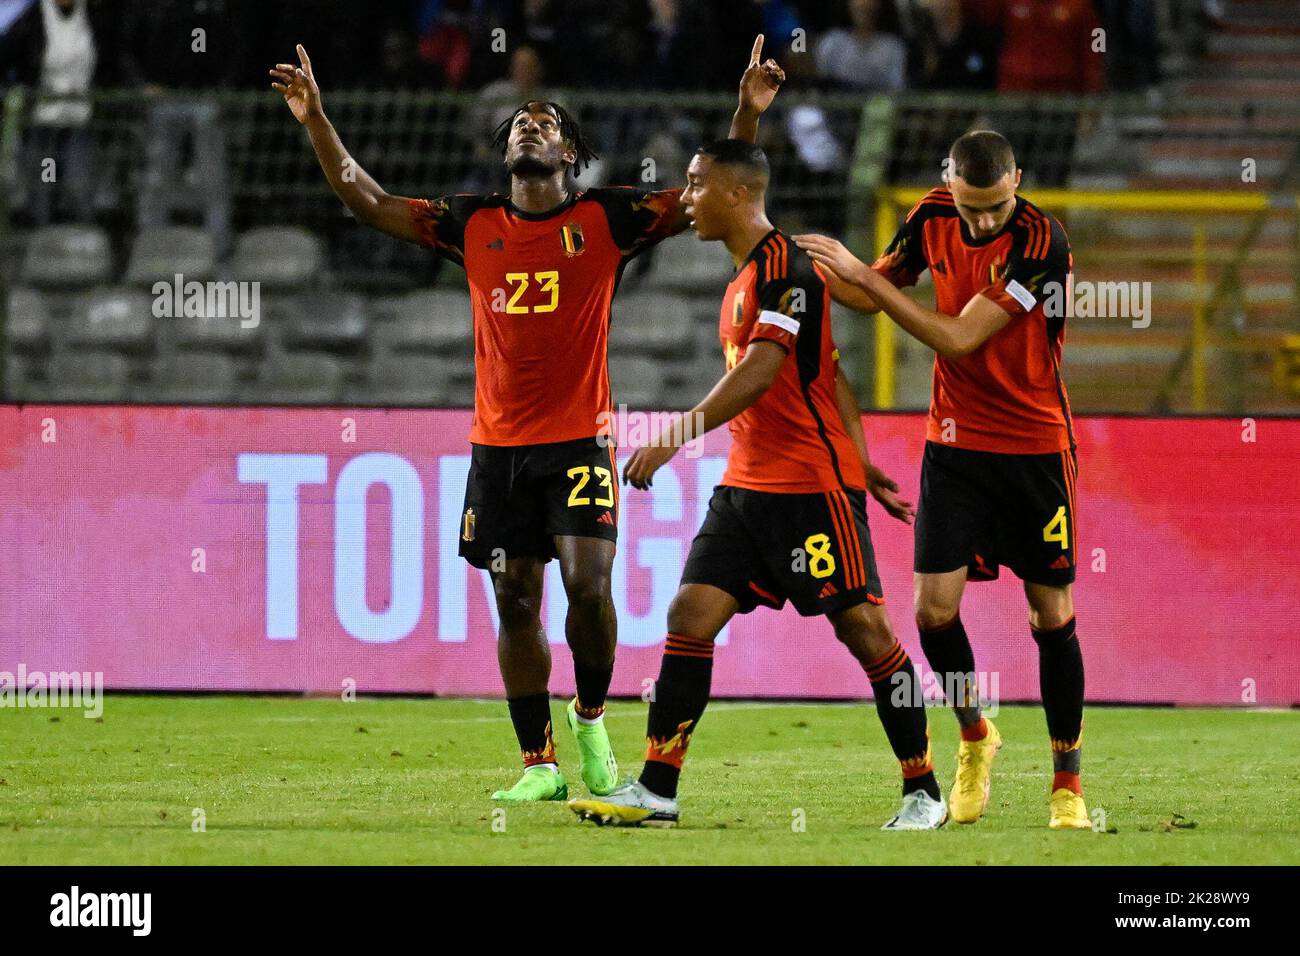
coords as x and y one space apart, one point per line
467 526
571 238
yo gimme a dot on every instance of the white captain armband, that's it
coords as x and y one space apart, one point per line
782 321
1021 295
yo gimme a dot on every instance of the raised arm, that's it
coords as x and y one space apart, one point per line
758 86
353 185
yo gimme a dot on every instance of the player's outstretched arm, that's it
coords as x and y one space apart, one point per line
758 86
883 488
735 392
850 296
352 184
950 338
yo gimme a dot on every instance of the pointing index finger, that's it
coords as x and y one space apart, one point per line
756 55
304 59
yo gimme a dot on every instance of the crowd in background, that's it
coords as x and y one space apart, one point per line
506 51
865 45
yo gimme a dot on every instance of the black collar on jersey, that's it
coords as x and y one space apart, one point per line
539 216
753 253
970 240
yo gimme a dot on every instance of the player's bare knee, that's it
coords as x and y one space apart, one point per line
932 615
686 618
865 630
1050 608
1050 619
592 593
519 602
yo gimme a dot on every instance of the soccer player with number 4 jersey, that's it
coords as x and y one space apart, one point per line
789 520
998 476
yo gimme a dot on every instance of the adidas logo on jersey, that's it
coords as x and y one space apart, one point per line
1060 563
606 518
828 590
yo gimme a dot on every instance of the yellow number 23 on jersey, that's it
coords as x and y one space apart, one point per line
550 285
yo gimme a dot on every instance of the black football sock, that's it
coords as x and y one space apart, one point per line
1060 682
902 713
532 719
948 651
680 696
593 686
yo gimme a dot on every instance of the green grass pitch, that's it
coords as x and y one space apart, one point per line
296 781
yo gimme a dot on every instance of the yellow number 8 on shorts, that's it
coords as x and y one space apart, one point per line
821 563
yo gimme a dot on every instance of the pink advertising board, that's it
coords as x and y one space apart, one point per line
293 549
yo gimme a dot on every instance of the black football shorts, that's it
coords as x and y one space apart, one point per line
982 509
518 498
764 548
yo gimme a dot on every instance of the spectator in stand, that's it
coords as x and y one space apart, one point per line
538 25
863 58
952 51
445 40
498 100
673 61
1047 47
399 66
160 49
55 46
184 45
1132 49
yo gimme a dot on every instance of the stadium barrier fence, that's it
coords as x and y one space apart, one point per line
834 157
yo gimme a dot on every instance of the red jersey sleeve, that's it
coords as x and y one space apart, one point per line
440 223
639 219
903 260
1038 264
785 299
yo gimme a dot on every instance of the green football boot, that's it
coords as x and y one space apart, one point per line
537 783
599 768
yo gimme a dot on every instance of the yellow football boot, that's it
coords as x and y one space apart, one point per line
970 791
1068 811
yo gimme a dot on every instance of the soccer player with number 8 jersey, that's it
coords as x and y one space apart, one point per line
789 520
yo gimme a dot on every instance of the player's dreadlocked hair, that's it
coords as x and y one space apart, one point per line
570 132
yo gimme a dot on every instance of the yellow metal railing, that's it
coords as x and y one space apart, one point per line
893 201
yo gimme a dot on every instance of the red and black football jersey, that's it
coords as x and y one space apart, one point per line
792 439
1008 395
541 286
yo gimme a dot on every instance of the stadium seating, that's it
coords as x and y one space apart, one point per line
15 381
325 320
91 376
29 320
651 322
407 379
296 378
63 257
686 264
636 382
162 254
279 257
116 318
429 320
332 288
189 378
